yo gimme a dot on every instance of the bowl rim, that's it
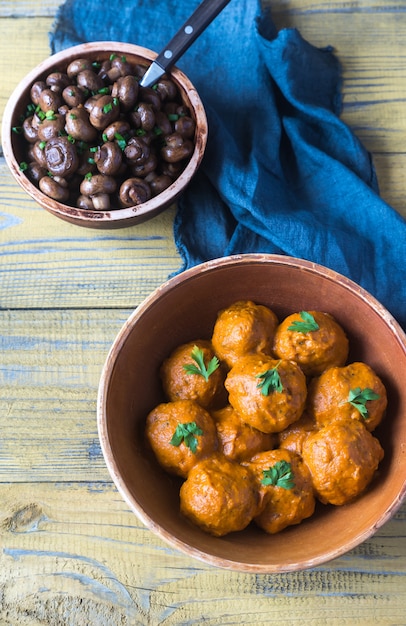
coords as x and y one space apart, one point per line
103 389
113 217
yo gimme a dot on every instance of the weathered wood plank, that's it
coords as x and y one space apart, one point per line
76 555
46 262
49 375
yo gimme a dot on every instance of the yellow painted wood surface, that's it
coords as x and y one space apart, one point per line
71 553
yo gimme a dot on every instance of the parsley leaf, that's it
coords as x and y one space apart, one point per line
186 433
270 381
197 355
308 324
279 475
359 397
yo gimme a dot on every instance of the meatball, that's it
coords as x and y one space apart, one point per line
243 328
293 437
180 434
219 496
313 339
268 394
343 392
239 441
181 384
285 488
342 458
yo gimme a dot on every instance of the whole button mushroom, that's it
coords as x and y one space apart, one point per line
57 81
78 65
143 169
36 90
119 128
108 158
51 127
55 188
118 67
166 89
30 131
126 90
88 79
61 156
105 111
185 126
146 116
73 95
78 126
134 191
99 188
49 100
177 148
137 151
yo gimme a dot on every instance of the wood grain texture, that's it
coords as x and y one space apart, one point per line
71 553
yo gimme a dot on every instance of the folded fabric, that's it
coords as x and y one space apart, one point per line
282 173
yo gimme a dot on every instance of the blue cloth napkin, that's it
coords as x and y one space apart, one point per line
282 173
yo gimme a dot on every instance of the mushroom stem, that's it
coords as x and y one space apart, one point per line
101 201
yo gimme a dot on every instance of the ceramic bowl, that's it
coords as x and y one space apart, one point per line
13 144
185 308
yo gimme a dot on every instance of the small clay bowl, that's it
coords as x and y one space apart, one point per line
185 308
14 144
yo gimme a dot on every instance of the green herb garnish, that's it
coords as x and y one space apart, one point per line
270 381
50 115
359 397
187 433
308 324
200 368
23 166
120 140
279 475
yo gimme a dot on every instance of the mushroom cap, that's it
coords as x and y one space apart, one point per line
98 183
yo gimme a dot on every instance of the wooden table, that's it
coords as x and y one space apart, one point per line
71 552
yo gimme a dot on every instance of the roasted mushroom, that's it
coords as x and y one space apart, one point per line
105 111
30 131
61 156
126 90
176 148
108 158
99 188
78 125
56 188
77 66
52 126
134 191
49 100
36 90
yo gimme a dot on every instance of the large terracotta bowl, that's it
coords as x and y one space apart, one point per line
184 309
14 144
